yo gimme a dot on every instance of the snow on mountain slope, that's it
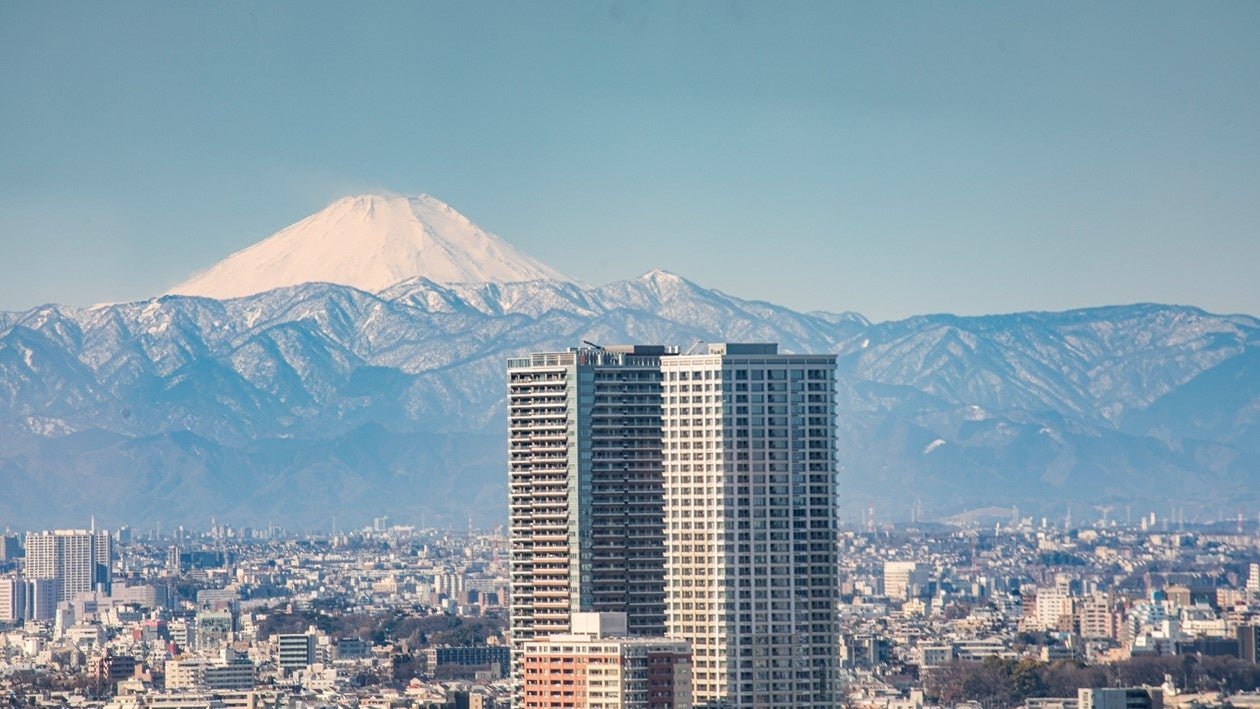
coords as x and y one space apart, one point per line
532 298
339 398
371 242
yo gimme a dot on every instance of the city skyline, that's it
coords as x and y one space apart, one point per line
889 161
924 612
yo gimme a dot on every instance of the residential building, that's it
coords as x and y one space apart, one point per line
78 560
12 599
598 666
585 491
750 537
110 669
1052 609
1096 617
223 672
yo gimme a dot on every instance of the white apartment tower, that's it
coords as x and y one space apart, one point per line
78 560
12 599
750 533
585 489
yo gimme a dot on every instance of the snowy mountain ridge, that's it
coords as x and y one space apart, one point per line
368 403
353 364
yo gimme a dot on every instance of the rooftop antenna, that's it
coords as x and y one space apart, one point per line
692 349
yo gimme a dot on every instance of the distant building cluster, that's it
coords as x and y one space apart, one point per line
185 625
672 542
59 565
935 602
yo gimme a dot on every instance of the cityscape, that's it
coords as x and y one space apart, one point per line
1020 612
673 542
624 354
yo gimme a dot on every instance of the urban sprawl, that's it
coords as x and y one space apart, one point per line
672 540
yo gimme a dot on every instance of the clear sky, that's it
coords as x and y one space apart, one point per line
888 158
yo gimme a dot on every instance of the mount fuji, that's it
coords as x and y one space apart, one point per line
371 242
352 365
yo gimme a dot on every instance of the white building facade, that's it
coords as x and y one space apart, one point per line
750 524
78 560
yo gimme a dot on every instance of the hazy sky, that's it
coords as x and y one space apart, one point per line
888 158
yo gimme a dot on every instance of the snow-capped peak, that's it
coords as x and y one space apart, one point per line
371 242
658 275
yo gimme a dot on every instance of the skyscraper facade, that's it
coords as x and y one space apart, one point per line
585 489
750 533
77 560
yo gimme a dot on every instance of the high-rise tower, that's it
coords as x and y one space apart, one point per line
750 534
585 489
78 560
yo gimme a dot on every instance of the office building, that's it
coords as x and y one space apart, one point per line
466 661
78 560
1119 698
585 492
213 630
10 549
597 666
750 536
1249 643
183 634
353 648
296 651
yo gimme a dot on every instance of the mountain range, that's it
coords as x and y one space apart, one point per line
352 365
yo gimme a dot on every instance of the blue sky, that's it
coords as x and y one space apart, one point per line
888 158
